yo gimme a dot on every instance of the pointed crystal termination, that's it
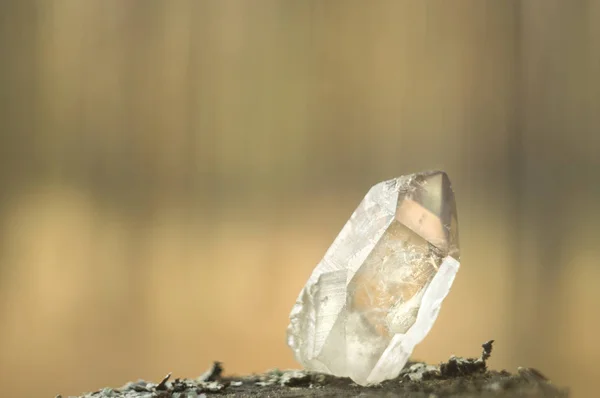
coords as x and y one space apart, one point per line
379 288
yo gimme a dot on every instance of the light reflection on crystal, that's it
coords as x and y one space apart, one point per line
377 291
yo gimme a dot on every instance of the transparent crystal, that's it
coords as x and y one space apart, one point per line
379 288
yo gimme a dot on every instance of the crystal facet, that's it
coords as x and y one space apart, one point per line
378 290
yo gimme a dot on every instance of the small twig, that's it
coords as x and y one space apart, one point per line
163 384
212 374
487 350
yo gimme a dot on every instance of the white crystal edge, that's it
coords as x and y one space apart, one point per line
326 265
402 345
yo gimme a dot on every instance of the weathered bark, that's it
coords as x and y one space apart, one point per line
458 377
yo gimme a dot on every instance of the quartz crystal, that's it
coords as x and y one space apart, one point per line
378 290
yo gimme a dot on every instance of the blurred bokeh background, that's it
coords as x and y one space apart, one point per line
171 172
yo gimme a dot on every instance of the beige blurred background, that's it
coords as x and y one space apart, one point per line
171 171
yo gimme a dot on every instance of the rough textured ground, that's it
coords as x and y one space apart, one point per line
458 377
